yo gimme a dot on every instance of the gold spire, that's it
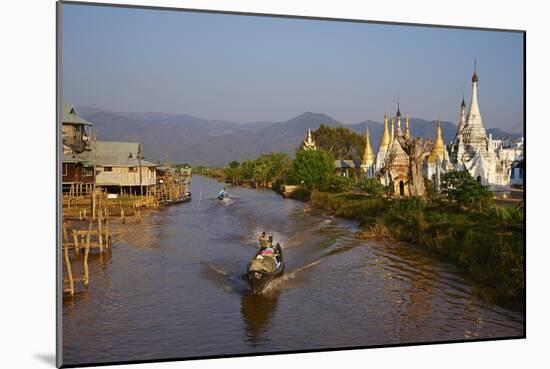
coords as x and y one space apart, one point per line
439 146
407 130
385 141
368 155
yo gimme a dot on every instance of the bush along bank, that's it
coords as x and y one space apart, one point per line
488 246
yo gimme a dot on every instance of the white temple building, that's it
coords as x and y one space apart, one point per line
472 150
309 143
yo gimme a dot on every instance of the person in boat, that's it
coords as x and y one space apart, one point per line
271 252
264 241
223 193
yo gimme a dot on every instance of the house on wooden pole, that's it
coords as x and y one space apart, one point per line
77 167
122 168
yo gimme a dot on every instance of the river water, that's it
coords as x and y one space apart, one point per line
171 287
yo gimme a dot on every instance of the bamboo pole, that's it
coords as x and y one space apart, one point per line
75 238
69 269
93 205
65 233
86 274
100 231
107 233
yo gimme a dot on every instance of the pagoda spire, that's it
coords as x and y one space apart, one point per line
474 105
392 129
474 133
407 129
462 121
439 145
398 115
309 143
368 154
385 141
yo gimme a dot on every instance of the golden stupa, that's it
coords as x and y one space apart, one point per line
439 146
368 154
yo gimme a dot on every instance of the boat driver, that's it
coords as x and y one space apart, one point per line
264 240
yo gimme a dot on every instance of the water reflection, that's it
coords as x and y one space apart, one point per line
256 312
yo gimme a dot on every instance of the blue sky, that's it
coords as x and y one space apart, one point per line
245 69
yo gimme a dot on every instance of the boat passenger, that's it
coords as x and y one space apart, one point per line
264 240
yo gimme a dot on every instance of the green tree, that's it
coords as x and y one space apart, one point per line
233 172
339 184
340 142
373 187
261 173
462 188
312 169
247 169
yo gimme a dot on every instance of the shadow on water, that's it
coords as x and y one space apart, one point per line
256 312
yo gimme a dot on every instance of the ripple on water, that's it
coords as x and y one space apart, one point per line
172 287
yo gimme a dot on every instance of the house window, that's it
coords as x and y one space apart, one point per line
65 169
108 169
87 172
132 169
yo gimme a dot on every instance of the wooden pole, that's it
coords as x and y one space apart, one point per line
75 239
69 270
93 205
65 233
100 232
86 274
107 233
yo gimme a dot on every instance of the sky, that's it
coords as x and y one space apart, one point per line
249 68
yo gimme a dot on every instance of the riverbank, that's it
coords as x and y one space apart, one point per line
488 247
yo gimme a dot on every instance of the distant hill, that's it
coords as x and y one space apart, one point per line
185 138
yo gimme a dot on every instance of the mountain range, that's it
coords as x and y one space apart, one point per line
185 138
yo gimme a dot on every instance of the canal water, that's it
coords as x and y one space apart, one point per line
171 287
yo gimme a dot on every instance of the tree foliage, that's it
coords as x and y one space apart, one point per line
338 184
264 170
340 142
312 169
373 187
233 172
462 188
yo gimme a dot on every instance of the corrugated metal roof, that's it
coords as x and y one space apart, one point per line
115 153
128 148
115 160
84 158
343 164
69 115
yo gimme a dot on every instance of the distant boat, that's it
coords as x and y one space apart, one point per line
223 196
186 197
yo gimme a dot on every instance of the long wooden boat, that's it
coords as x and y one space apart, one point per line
258 279
186 197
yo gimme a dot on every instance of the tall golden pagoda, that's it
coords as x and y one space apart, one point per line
439 146
385 141
368 154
